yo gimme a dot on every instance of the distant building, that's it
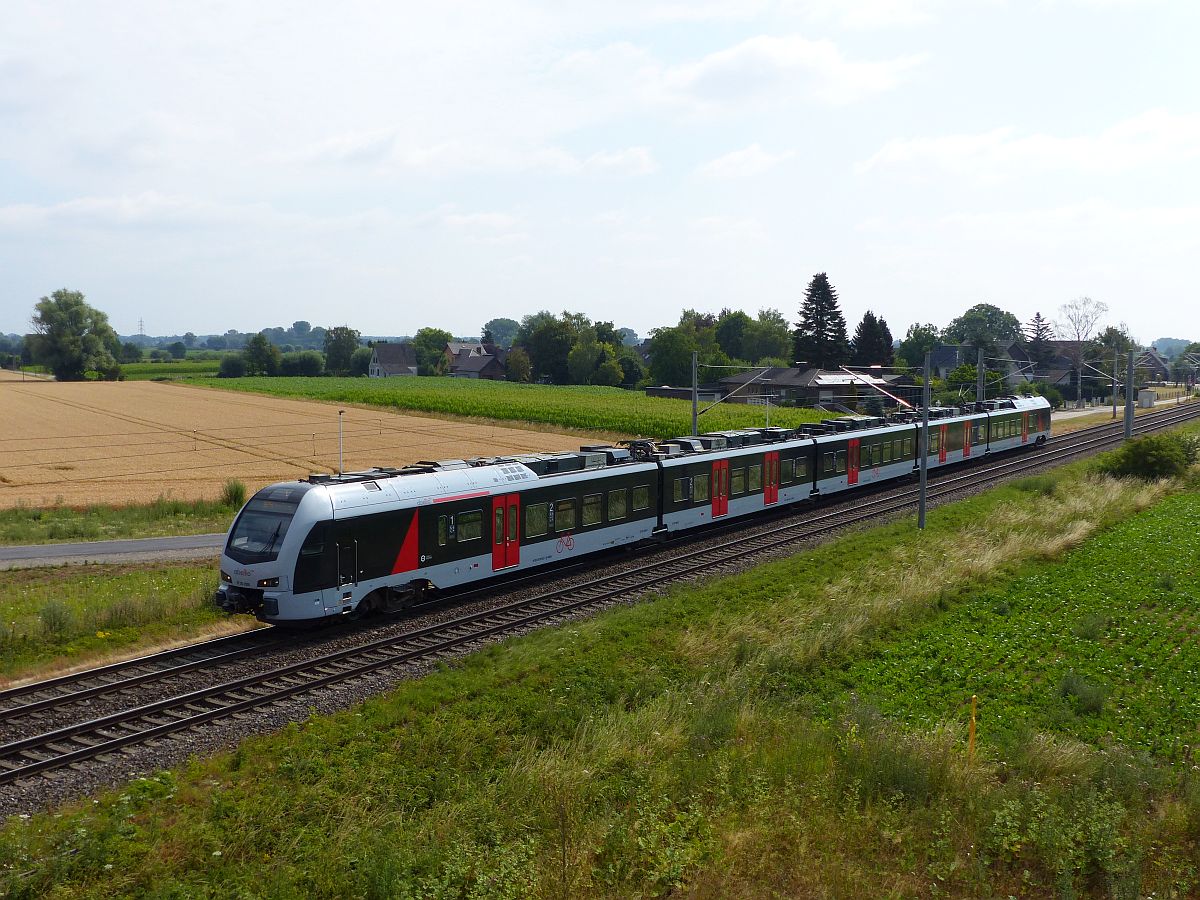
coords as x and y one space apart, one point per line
1154 363
473 359
808 387
392 359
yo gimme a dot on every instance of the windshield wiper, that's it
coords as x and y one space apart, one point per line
274 537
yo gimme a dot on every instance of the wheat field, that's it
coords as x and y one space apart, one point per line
129 442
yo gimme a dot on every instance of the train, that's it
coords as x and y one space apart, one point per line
361 542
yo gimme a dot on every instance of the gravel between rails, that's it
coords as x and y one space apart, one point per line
64 785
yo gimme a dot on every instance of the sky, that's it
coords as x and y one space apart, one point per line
203 166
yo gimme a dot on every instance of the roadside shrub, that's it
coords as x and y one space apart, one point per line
233 365
56 618
309 363
1150 456
233 493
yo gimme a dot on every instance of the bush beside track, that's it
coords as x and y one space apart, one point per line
703 741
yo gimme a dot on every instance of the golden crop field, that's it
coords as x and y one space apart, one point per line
129 442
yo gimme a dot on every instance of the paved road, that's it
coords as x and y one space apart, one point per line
177 547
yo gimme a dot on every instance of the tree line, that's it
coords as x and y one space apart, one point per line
72 339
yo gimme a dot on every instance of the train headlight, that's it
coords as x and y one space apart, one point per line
268 582
225 577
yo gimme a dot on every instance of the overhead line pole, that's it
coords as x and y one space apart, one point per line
980 384
695 394
1116 360
1129 397
923 445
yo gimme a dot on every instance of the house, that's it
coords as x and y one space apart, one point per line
1153 362
806 387
392 359
472 359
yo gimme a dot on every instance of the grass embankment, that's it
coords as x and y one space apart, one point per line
47 524
52 619
711 740
602 409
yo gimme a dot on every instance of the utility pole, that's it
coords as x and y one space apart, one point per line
923 445
1129 397
1116 360
980 382
341 412
695 393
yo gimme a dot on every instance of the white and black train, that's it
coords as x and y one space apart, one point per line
333 545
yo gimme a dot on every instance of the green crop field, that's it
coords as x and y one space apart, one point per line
175 368
1099 647
601 409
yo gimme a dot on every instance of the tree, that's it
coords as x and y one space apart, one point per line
609 372
340 344
216 342
517 367
548 340
731 329
307 363
767 337
503 331
360 361
262 357
583 359
178 350
429 344
820 336
233 365
629 337
872 341
72 338
984 327
1077 321
671 356
301 329
918 340
130 352
633 370
189 340
1038 335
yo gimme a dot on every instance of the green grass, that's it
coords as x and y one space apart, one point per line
581 408
55 616
705 743
47 524
175 368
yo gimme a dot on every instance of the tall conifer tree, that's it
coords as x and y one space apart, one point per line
820 335
1038 335
872 341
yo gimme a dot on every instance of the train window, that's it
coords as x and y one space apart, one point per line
841 462
591 509
564 515
681 491
512 522
935 442
897 450
737 482
829 460
866 456
537 519
908 447
802 468
470 526
616 505
785 471
885 452
700 489
641 497
443 530
754 479
498 526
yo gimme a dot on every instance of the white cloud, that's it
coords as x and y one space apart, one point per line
869 13
769 67
749 161
1154 138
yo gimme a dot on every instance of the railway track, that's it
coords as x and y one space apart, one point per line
76 743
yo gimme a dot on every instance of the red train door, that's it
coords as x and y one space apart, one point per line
506 537
852 462
966 439
720 487
1024 428
942 443
771 477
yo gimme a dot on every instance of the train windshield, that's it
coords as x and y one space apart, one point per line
260 529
